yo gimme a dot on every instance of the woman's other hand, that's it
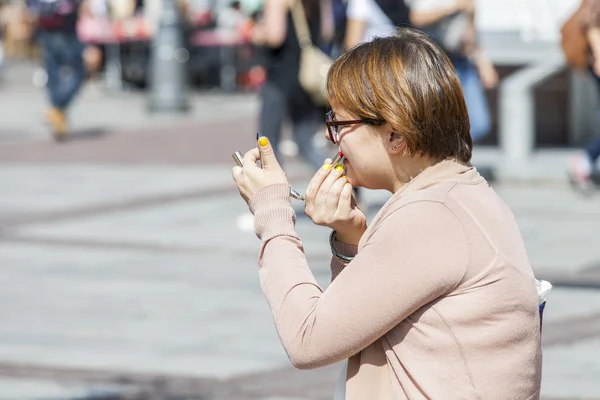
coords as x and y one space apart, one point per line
329 202
250 178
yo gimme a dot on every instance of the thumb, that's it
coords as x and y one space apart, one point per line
267 154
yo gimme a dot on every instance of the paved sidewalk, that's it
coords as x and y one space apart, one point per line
98 113
143 269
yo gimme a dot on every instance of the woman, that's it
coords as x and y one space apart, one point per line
436 298
453 23
282 97
581 166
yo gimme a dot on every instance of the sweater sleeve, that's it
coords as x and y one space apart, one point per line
337 265
415 255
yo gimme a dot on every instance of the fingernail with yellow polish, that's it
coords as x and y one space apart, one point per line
263 141
327 167
339 168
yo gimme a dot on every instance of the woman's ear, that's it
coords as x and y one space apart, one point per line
397 144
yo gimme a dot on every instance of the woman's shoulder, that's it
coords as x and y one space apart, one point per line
451 196
425 197
417 206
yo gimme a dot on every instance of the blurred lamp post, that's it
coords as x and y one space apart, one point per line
168 79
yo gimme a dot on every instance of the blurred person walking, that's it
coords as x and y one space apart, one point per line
56 23
282 96
452 24
581 45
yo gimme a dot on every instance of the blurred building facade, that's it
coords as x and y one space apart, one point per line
526 33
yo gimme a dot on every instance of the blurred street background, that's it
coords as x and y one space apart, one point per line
127 258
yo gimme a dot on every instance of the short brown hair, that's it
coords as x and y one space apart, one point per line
408 81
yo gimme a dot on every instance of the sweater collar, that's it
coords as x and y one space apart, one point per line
449 170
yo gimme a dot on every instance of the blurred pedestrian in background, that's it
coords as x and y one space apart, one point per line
282 96
231 19
452 24
56 23
581 44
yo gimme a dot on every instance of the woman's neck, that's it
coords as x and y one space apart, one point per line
408 168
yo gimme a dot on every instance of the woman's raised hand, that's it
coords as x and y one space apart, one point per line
329 202
250 178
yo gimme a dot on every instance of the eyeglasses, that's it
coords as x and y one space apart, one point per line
333 125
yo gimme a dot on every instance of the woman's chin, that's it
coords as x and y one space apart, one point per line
352 180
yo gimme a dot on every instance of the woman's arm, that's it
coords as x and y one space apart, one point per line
327 21
356 12
485 67
345 249
593 35
355 30
414 256
271 29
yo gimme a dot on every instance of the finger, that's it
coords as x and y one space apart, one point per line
333 197
267 155
317 180
334 175
345 202
236 172
250 158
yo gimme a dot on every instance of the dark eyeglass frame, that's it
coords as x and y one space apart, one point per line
333 125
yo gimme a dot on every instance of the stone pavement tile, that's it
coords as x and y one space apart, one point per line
182 144
564 303
557 225
572 371
543 165
283 383
36 389
207 225
135 311
29 190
